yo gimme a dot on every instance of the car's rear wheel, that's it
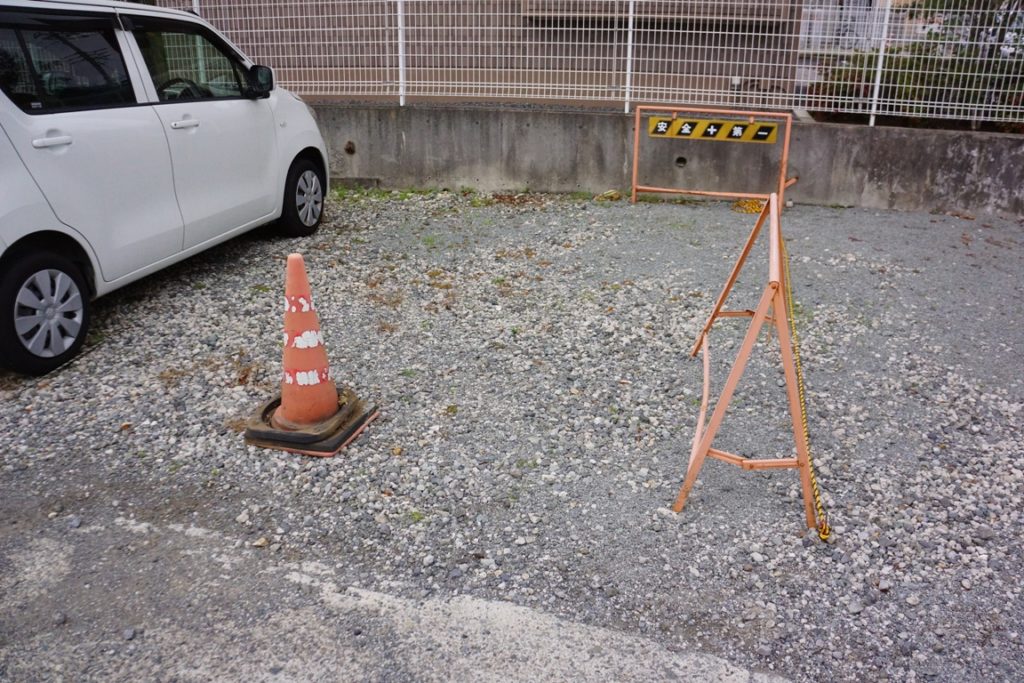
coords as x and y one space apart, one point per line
303 199
44 313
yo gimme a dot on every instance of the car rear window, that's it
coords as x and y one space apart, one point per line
57 62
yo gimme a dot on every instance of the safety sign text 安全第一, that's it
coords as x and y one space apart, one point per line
708 129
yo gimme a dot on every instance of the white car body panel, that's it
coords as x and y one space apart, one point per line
25 209
123 153
224 164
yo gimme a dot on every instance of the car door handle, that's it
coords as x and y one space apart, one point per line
186 123
55 141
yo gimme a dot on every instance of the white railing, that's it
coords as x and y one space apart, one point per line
958 59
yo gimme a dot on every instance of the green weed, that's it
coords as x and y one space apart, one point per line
359 194
649 199
478 201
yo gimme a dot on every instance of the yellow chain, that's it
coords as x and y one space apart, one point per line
824 530
748 205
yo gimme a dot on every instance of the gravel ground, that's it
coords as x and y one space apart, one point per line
529 355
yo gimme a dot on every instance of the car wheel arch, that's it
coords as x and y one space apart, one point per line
313 155
54 242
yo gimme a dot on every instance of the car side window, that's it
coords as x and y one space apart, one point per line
15 76
55 63
185 63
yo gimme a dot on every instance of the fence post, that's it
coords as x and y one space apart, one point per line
629 53
401 52
887 8
195 7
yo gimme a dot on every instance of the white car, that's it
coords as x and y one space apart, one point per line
131 137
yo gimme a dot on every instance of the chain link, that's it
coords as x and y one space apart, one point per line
748 206
824 530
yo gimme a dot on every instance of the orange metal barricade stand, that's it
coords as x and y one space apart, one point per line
749 116
771 309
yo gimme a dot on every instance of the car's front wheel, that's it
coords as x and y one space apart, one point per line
303 199
44 313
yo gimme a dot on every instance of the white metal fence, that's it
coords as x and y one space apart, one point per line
961 59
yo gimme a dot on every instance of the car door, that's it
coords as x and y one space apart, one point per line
223 145
100 159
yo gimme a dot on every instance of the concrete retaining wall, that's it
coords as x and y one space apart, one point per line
555 151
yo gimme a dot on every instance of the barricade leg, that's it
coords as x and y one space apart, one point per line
697 461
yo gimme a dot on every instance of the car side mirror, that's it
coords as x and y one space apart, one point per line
261 81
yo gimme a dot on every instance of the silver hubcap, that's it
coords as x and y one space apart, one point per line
48 313
309 198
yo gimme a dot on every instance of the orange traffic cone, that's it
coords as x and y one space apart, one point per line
310 416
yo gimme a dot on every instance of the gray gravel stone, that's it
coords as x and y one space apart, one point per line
530 356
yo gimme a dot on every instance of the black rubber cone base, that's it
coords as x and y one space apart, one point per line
323 439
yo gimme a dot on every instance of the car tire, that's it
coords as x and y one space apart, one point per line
303 207
44 313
